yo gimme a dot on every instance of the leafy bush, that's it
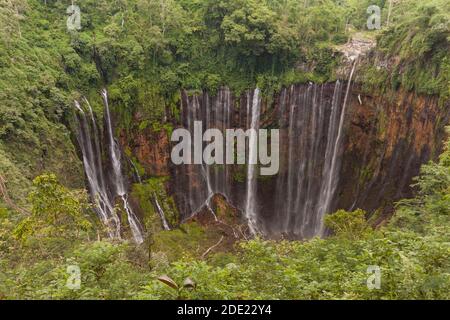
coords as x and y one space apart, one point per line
351 225
56 211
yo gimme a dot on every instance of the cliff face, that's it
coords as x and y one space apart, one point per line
383 143
386 143
150 148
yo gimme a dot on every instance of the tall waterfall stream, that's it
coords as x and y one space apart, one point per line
312 129
105 186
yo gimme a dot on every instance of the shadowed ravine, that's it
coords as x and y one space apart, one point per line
334 153
310 142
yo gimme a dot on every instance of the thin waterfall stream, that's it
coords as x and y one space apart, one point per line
105 191
250 210
115 157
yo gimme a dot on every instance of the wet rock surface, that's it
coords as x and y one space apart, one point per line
385 140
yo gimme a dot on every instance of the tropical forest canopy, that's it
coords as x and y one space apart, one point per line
145 52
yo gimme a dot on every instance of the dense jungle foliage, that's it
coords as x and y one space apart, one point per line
412 251
145 51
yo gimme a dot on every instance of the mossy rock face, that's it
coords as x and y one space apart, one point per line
147 193
187 240
202 235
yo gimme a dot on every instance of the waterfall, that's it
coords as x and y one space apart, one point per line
102 193
115 157
162 216
306 188
94 173
136 172
114 151
98 152
213 179
250 211
331 172
287 207
205 169
291 204
132 220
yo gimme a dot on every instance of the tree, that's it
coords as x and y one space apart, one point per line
56 211
249 27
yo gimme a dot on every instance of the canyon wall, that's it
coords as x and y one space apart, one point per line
381 147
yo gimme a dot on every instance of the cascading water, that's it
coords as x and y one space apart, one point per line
292 204
250 210
136 172
102 192
160 211
94 172
114 151
331 172
132 220
115 157
307 183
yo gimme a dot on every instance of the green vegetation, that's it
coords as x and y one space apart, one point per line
412 252
57 212
144 52
414 50
150 191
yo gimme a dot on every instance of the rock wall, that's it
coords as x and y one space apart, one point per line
385 141
388 140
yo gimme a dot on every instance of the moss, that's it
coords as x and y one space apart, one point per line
383 122
140 169
145 193
187 240
143 125
240 173
365 174
159 126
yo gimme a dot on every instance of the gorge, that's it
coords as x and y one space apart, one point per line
342 192
335 144
331 157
